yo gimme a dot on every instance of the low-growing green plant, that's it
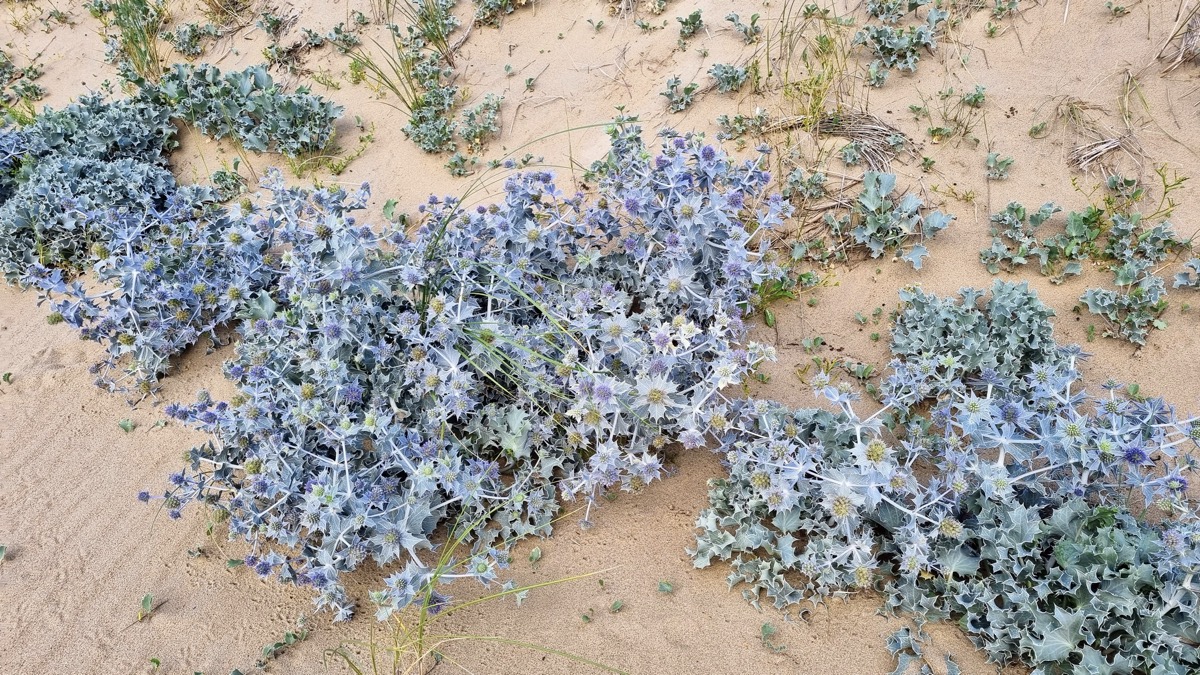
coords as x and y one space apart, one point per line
1136 306
189 39
728 77
690 25
289 639
998 167
850 154
892 11
248 106
1190 276
750 32
679 97
879 223
480 122
345 40
898 47
741 125
976 97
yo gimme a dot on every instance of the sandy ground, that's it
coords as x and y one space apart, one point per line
82 551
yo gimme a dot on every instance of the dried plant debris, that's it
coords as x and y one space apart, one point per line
877 143
1184 43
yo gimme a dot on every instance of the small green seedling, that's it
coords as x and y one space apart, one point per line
587 616
289 638
127 425
997 166
617 606
147 607
596 25
3 553
689 26
7 378
535 555
155 664
766 633
666 587
1038 130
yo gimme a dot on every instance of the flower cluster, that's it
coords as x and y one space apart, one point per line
989 489
482 366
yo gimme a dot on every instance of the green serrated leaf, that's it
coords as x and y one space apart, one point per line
127 425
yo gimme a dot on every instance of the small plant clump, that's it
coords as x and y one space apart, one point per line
733 128
880 223
1190 277
679 97
997 167
1136 305
249 107
1119 239
898 47
189 39
750 32
690 25
480 122
728 77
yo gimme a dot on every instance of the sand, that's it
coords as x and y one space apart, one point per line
82 551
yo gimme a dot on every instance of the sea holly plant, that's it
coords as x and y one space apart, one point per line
892 11
92 154
990 490
502 357
898 47
1190 277
679 97
728 77
167 278
249 107
1140 299
879 222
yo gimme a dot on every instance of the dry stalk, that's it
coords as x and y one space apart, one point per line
876 139
1187 31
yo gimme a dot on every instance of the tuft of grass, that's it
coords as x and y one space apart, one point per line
416 647
140 22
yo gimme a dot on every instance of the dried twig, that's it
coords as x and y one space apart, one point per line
1187 31
1089 155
